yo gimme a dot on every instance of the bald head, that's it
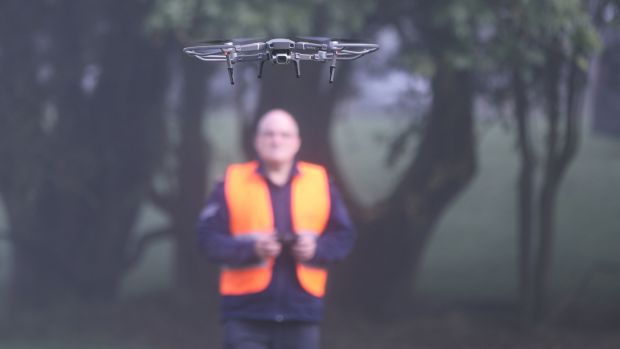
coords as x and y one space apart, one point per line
277 137
277 116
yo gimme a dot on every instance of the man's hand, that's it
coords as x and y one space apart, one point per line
267 245
305 247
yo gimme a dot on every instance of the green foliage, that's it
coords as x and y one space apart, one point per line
488 35
215 19
529 30
348 16
420 62
451 31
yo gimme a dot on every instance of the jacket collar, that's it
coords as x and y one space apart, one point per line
260 169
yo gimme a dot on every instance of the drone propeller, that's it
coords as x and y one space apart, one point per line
316 39
347 40
209 50
243 41
215 42
236 41
325 40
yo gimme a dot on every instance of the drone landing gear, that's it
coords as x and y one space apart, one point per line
230 70
297 68
230 75
332 70
260 69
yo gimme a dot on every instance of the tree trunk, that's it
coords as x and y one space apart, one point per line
525 189
559 156
606 106
546 200
71 229
380 276
195 276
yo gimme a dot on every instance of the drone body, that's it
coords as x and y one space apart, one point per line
280 51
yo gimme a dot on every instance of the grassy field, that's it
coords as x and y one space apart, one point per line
471 256
472 253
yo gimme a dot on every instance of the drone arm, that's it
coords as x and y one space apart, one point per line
306 57
257 46
302 45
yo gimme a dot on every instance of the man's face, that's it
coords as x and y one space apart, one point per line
277 138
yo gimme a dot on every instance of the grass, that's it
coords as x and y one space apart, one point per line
471 256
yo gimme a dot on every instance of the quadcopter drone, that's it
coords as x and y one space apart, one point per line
280 51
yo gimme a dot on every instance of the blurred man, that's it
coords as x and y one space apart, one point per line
274 225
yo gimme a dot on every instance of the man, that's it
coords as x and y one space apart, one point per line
274 225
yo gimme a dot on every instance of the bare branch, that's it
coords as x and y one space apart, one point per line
572 110
137 249
398 144
164 202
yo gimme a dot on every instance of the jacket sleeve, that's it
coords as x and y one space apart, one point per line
339 236
214 234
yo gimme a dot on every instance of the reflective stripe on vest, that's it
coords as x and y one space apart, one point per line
250 212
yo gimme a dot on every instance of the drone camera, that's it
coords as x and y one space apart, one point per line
280 57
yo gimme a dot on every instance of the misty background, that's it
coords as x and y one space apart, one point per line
478 152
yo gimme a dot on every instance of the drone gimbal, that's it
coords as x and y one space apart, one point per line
280 51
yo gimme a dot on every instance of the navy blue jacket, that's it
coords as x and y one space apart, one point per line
284 299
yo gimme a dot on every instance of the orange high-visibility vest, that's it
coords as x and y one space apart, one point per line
250 212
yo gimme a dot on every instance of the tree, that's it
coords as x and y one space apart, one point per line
380 278
606 105
194 20
80 130
544 47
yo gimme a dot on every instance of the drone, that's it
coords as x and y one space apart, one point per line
280 51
